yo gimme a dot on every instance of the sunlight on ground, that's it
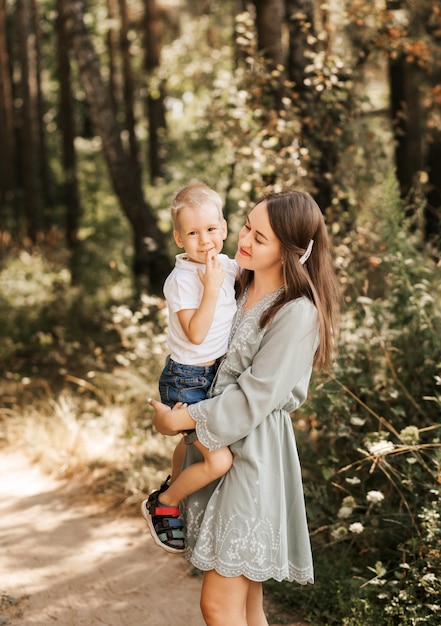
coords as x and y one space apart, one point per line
60 435
109 443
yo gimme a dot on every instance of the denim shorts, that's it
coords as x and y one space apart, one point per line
185 383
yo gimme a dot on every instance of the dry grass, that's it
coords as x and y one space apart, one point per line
98 435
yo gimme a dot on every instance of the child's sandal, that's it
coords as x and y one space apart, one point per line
165 525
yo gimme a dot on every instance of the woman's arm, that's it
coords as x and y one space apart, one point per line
169 421
278 376
282 365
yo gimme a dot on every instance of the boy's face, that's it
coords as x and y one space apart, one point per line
199 232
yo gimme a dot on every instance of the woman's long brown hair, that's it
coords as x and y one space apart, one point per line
296 218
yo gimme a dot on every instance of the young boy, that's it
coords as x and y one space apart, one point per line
201 301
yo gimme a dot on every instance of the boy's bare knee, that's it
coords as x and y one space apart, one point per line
227 460
220 462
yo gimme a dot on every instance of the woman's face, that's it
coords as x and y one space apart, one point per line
258 247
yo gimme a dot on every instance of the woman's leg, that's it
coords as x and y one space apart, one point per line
224 600
255 614
234 601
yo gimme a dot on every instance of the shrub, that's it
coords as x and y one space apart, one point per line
370 434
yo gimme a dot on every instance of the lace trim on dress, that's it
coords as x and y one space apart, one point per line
202 431
257 539
290 573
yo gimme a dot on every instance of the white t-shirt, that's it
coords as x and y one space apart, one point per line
183 289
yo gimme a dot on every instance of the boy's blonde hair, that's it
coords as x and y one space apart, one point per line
194 195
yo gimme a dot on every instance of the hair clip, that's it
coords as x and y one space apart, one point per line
307 252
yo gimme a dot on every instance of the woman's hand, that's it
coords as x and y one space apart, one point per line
161 419
169 421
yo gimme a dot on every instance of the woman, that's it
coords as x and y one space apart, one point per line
251 525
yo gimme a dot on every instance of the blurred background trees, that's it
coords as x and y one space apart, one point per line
106 108
70 69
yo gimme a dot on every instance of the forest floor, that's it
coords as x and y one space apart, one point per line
66 560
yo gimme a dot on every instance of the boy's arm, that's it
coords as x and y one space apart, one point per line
197 322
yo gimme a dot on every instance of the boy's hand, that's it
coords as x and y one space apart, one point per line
214 274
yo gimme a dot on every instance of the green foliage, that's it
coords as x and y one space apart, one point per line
408 30
370 436
275 134
246 129
54 302
79 357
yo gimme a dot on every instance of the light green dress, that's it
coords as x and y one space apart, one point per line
253 521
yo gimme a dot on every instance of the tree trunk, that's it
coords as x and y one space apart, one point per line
151 262
7 130
70 182
433 207
128 91
239 6
406 114
112 47
300 16
417 140
43 159
155 95
28 143
270 17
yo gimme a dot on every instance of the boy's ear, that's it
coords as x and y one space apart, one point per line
224 230
177 238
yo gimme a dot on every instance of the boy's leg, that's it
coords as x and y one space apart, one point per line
177 460
164 522
194 477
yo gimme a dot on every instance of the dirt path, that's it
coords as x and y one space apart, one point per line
72 565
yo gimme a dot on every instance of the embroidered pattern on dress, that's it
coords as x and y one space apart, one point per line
231 543
256 538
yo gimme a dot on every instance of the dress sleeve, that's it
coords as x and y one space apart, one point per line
277 378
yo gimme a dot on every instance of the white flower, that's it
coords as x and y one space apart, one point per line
374 496
357 528
379 448
429 578
346 508
410 435
348 501
344 512
379 569
357 421
353 481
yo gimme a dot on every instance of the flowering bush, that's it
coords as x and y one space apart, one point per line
375 427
